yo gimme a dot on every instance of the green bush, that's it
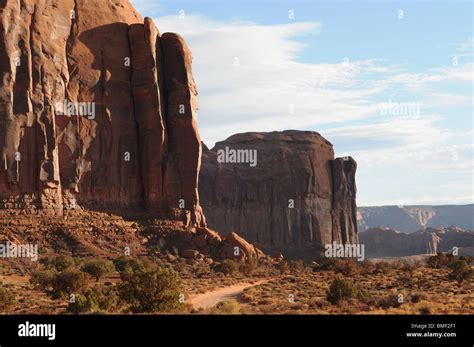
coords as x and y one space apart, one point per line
122 262
440 260
200 269
79 305
461 270
43 279
7 299
391 300
347 267
417 297
367 267
227 266
94 300
63 262
248 267
341 289
150 289
98 268
382 267
70 281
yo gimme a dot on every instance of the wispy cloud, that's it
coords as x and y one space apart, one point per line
251 78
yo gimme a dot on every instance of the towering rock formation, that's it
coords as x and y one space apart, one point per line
294 198
97 109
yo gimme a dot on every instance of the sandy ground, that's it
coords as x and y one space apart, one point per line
210 299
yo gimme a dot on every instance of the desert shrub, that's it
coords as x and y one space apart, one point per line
297 265
461 270
346 267
227 266
98 268
417 264
425 309
200 269
43 279
70 281
94 300
46 261
367 267
327 264
417 297
79 305
122 262
440 260
397 264
341 289
58 263
228 307
7 299
248 267
408 268
363 295
382 267
282 267
180 265
63 262
150 289
391 300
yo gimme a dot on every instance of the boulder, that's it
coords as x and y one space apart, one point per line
235 247
212 237
190 253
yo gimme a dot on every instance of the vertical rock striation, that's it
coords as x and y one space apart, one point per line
294 199
97 109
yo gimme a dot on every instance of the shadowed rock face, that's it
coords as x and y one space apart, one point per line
97 109
296 199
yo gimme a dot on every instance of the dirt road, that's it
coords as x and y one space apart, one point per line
210 299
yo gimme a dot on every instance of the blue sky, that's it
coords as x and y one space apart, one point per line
343 69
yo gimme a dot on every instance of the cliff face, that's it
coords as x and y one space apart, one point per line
291 195
97 109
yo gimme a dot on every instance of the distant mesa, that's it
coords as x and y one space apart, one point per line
386 242
409 219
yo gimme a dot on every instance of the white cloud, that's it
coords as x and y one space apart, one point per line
269 89
270 81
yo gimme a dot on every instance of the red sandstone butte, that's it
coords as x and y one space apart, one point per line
297 198
137 146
